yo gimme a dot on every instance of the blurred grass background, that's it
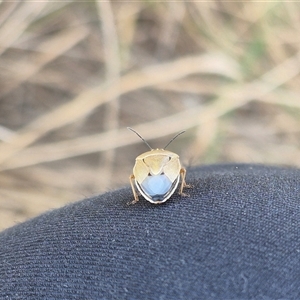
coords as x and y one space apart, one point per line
74 75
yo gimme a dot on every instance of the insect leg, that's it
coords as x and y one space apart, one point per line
136 197
183 183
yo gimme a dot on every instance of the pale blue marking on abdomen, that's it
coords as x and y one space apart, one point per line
156 185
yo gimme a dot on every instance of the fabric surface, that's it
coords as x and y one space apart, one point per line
236 237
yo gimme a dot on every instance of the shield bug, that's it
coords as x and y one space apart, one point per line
156 174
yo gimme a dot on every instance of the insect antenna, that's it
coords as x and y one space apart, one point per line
129 128
174 138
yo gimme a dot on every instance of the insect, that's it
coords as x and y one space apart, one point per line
157 173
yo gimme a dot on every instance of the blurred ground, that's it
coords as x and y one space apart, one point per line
74 75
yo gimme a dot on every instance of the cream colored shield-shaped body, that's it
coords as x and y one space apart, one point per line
156 174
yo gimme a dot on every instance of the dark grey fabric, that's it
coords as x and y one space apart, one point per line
236 237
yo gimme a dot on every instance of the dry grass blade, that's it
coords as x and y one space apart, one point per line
47 51
283 97
18 21
283 72
104 141
112 65
88 100
7 11
170 28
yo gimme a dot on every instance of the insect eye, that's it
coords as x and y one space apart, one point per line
149 174
170 158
